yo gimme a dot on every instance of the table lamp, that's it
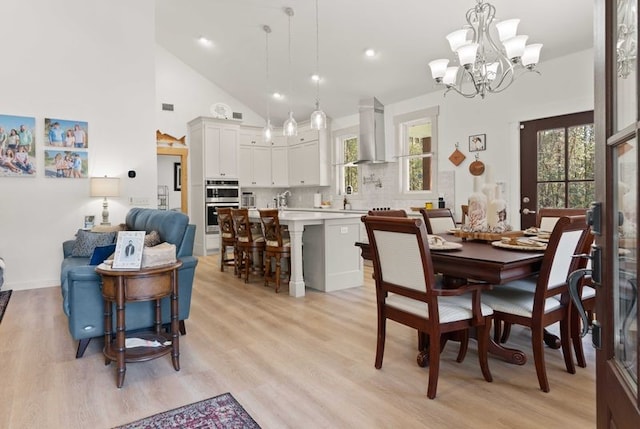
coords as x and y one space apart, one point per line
105 187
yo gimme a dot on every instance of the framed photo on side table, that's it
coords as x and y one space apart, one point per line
128 254
477 142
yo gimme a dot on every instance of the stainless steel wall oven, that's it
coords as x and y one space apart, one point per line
220 193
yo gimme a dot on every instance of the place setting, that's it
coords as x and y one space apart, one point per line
521 243
438 243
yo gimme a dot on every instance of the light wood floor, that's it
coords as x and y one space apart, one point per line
291 362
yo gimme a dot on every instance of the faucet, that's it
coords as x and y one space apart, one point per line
281 199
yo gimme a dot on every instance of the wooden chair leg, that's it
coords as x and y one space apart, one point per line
565 339
576 339
464 345
434 365
278 266
538 357
382 332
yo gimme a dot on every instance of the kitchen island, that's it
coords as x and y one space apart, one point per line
331 261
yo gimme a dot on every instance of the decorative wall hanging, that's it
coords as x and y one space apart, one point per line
476 168
457 157
477 142
66 164
17 146
162 138
64 133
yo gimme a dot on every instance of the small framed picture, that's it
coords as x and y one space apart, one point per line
128 254
477 142
88 221
177 172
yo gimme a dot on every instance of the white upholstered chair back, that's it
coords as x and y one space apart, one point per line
563 258
400 259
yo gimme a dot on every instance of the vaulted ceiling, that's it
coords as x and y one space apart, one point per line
406 34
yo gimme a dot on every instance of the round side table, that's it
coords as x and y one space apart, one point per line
147 284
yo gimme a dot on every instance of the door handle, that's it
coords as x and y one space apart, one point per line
527 211
573 280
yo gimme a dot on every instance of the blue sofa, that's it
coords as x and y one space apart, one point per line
81 285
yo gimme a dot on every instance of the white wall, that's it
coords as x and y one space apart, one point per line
565 86
79 60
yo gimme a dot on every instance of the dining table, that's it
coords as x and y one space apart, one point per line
480 261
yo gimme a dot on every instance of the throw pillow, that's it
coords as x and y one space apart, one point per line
100 253
152 239
86 241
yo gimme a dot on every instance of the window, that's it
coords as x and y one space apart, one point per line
417 150
348 173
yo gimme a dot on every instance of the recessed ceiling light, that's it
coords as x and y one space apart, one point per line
315 77
277 95
370 53
204 41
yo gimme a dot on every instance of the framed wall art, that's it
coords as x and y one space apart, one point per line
66 164
177 172
477 142
17 146
66 133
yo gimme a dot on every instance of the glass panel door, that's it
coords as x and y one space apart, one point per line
626 48
625 288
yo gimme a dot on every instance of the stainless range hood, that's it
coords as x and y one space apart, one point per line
371 139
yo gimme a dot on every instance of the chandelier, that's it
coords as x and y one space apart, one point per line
318 118
267 131
484 66
626 44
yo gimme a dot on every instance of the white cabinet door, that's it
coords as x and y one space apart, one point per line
262 166
296 169
212 139
255 166
304 165
251 136
229 153
246 166
280 166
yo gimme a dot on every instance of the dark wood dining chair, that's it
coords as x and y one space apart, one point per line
406 292
388 213
438 221
546 217
277 248
250 244
227 239
542 300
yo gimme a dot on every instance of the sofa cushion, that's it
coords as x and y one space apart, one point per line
100 253
86 241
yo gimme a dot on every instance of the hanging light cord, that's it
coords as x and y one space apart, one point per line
290 12
317 57
267 30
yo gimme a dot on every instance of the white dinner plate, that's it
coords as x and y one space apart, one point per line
519 246
446 245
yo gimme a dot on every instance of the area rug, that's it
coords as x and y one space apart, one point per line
4 301
220 412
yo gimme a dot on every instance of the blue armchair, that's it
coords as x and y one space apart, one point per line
81 285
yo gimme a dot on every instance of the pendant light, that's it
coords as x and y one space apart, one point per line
290 126
318 117
267 131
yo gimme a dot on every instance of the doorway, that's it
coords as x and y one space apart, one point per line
563 173
182 179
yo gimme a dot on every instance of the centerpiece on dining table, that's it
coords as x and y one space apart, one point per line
487 212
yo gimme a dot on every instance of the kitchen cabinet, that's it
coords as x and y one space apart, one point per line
214 143
280 166
251 136
309 158
260 164
255 166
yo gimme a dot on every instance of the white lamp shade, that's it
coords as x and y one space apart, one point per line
105 186
450 76
467 53
267 132
458 38
438 68
318 120
507 28
531 54
491 70
514 46
290 126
